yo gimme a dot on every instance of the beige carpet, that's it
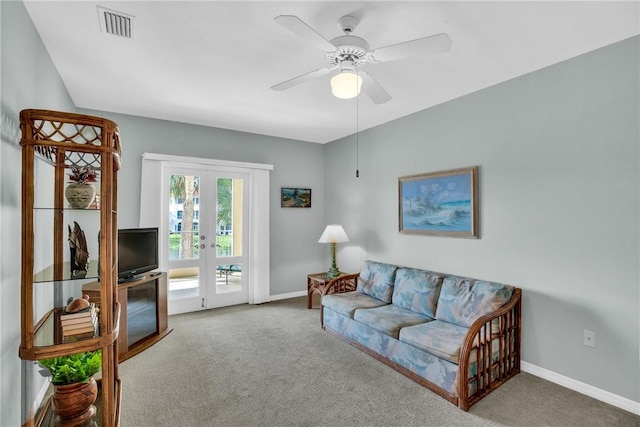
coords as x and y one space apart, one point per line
272 365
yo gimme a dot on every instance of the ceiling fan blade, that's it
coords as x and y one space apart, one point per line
305 32
373 89
423 46
302 78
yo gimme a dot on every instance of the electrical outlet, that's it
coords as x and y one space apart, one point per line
589 338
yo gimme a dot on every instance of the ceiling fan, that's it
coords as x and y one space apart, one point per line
347 53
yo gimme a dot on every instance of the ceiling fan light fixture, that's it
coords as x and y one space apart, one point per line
346 85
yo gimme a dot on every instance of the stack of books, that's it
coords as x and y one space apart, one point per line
81 324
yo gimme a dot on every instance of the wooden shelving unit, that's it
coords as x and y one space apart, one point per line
52 143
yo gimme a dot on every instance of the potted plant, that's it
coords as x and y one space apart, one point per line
80 193
74 387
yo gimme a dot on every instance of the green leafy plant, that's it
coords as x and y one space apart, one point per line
83 175
75 368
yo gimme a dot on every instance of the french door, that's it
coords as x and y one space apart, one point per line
206 217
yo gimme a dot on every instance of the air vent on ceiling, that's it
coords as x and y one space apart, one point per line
115 23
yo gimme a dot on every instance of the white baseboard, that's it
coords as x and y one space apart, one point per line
580 387
287 296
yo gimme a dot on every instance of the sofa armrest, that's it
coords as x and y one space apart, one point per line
499 329
338 285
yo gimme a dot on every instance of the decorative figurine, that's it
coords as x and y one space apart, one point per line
78 250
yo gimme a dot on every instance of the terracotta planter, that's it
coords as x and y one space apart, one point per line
74 402
80 196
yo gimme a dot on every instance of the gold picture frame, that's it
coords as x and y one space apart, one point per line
441 203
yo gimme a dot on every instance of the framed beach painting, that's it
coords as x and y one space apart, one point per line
440 203
295 197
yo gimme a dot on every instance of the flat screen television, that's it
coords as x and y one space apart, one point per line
137 253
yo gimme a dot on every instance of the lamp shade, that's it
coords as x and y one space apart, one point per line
334 233
346 85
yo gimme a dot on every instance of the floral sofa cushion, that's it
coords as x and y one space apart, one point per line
462 301
439 338
348 302
417 290
389 319
376 280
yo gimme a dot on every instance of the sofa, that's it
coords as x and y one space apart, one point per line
457 336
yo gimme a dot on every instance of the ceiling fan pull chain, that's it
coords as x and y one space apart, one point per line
357 140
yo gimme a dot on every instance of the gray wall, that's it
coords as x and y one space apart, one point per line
294 232
29 80
557 152
558 157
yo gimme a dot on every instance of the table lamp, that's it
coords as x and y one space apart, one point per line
334 233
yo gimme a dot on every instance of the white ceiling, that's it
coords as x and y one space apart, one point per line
212 62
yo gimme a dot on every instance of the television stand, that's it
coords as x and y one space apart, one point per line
133 278
143 317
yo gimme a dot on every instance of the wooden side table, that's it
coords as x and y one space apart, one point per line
316 283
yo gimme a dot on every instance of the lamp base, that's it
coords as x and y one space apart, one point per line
333 272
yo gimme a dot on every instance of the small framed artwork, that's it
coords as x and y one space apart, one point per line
295 197
440 203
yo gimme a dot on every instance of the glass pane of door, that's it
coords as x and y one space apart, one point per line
224 217
230 220
184 236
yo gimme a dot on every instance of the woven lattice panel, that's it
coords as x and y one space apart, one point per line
53 133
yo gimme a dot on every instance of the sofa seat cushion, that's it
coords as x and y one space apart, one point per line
376 280
347 303
417 290
439 338
462 301
389 319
